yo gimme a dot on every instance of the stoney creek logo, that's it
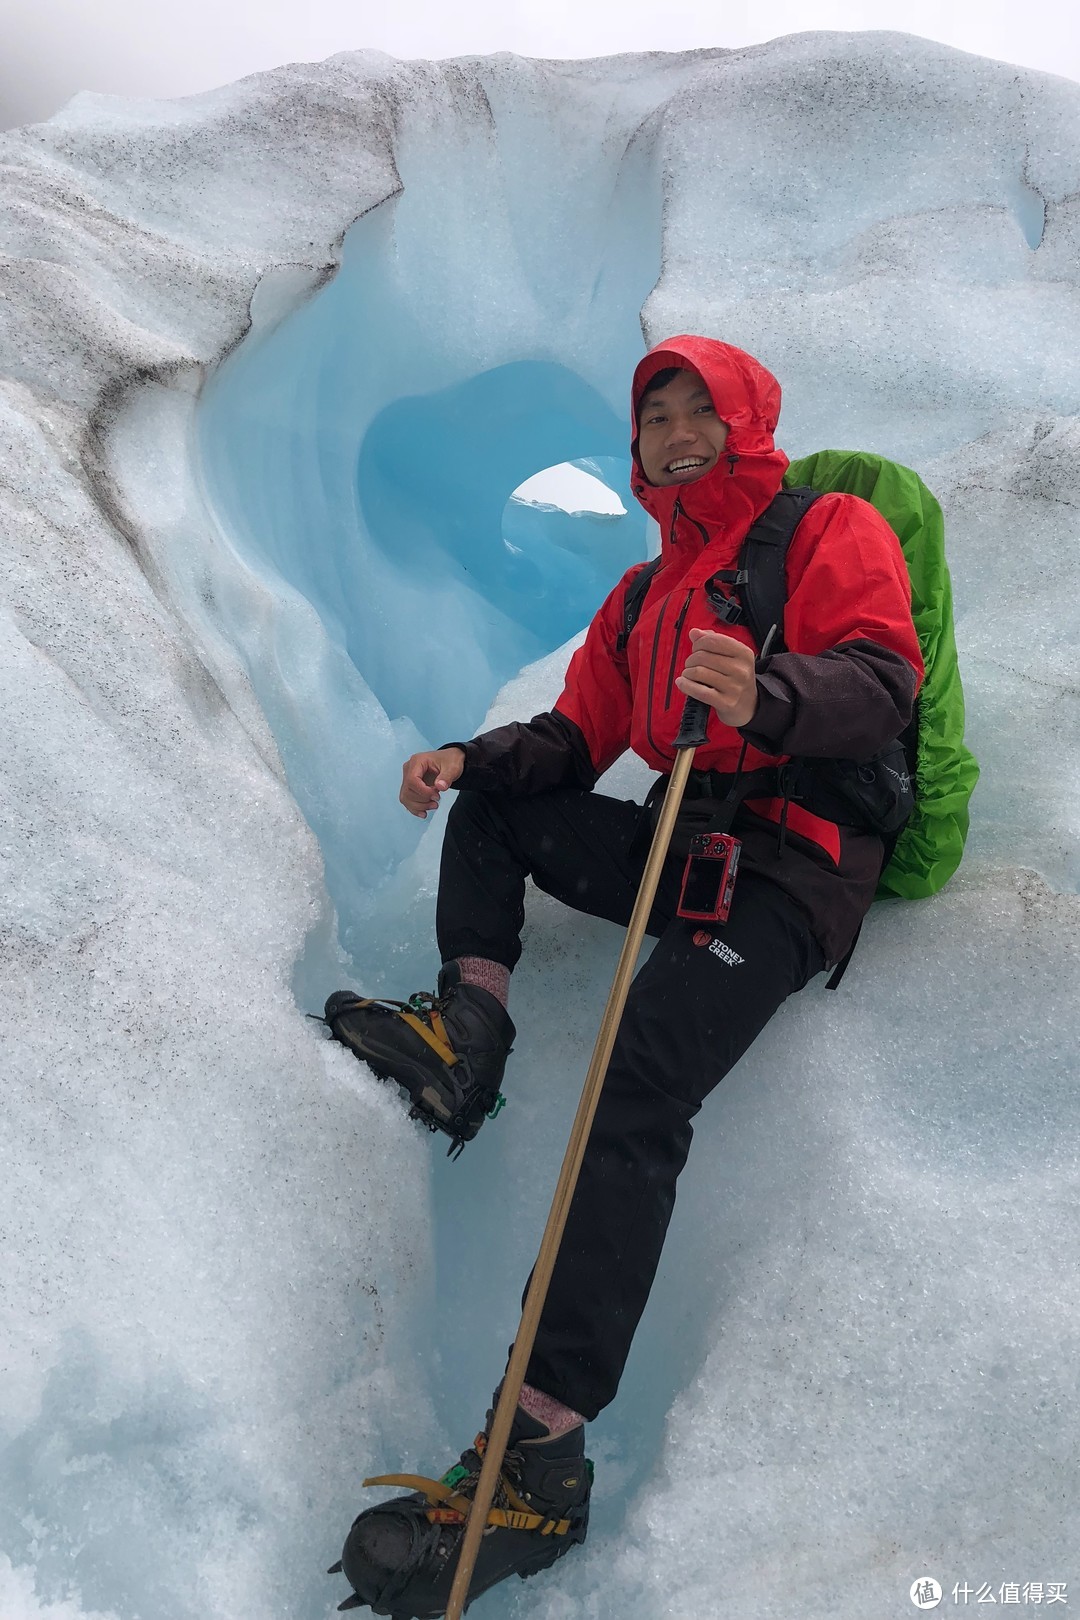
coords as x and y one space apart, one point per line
718 948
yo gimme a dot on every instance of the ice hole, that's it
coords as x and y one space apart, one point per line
571 524
572 487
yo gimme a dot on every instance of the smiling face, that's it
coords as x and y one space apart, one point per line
680 435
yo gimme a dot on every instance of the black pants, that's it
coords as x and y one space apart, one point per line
705 993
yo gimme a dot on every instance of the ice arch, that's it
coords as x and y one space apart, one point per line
359 450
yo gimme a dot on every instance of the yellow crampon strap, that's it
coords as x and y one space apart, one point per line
528 1521
447 1507
435 1036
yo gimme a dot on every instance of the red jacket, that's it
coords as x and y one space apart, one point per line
843 688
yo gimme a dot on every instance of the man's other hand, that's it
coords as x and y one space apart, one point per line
720 671
425 778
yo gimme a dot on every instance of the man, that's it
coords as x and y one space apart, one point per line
706 468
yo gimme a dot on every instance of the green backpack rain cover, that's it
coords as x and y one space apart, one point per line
931 842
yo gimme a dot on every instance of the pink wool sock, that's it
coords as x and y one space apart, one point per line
560 1419
490 976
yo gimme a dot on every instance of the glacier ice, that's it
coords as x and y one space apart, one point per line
273 361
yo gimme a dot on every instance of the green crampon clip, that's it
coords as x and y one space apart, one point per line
499 1105
455 1475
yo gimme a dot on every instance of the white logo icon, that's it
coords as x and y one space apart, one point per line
925 1592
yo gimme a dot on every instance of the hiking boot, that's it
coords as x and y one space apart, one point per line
447 1051
400 1557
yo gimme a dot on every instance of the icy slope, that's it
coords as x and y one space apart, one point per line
235 1279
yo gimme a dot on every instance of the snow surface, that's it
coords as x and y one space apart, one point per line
273 361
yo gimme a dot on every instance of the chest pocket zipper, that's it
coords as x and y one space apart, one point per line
652 671
675 649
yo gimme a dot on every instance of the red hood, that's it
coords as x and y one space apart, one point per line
750 469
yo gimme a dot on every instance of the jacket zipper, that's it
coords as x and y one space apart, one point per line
700 527
675 649
676 513
652 673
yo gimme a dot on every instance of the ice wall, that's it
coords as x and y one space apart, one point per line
273 361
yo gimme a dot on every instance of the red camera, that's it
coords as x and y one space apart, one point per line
709 877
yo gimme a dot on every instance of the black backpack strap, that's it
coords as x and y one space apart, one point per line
634 601
760 583
840 967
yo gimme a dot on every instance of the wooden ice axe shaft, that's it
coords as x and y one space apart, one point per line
691 736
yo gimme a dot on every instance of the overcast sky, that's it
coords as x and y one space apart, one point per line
50 49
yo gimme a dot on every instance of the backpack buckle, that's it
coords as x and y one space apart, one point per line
727 609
